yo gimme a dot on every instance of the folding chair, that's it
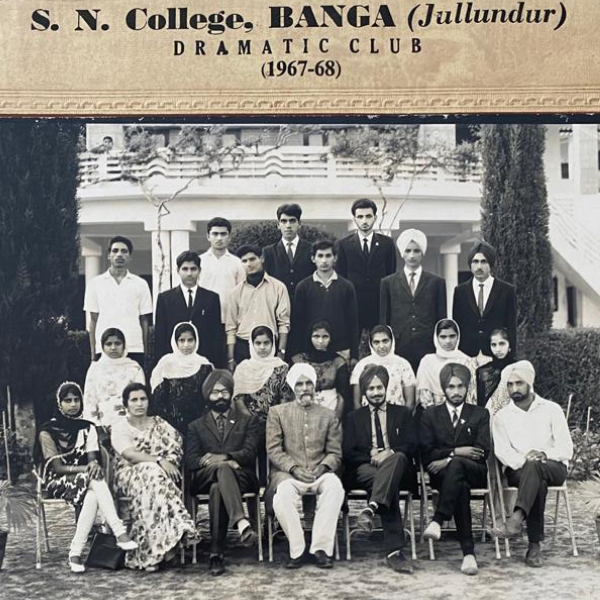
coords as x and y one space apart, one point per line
484 494
558 489
356 494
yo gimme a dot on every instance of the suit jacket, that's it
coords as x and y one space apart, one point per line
240 441
366 273
358 435
277 264
413 319
500 311
437 436
171 309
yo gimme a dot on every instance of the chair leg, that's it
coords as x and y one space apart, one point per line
408 511
337 546
259 528
347 535
38 536
46 536
270 536
195 544
500 493
493 518
570 523
483 516
556 516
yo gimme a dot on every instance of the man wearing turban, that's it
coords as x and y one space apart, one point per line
455 442
412 300
221 449
533 442
484 303
304 446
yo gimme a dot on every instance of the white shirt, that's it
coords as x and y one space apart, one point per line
294 245
452 409
327 283
417 273
543 427
221 275
383 422
119 305
186 293
487 288
362 238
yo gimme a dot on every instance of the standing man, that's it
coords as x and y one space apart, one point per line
258 300
484 303
365 258
379 445
221 270
412 300
304 446
289 259
325 296
190 302
455 442
119 299
532 440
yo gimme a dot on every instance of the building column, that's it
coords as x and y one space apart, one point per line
180 242
92 262
161 262
450 253
584 158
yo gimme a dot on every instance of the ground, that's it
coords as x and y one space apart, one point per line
563 576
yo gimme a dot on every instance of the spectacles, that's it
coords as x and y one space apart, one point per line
217 393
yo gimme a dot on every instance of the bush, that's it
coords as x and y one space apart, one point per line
586 454
567 361
20 455
266 233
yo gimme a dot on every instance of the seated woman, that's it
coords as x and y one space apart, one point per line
149 453
67 446
333 382
106 379
446 338
259 381
490 392
177 380
402 384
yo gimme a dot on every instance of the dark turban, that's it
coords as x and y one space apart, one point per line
221 376
454 370
488 251
369 373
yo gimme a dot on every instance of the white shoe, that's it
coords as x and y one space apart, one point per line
128 545
76 567
469 565
432 532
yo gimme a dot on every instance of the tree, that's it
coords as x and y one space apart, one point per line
515 217
39 246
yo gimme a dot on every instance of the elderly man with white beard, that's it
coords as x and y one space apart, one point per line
304 446
532 440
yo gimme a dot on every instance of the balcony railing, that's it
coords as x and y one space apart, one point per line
297 162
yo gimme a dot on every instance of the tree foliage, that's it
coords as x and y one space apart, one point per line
39 246
515 216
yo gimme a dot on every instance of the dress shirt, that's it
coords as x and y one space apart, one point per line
216 415
487 288
369 238
185 291
220 274
266 304
327 283
417 273
294 244
383 420
451 408
543 428
119 305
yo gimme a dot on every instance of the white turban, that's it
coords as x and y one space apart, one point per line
297 371
523 368
412 235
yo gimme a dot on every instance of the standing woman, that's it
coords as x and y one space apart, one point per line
177 379
149 453
333 381
446 338
67 446
106 379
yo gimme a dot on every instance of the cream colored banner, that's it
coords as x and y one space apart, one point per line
110 57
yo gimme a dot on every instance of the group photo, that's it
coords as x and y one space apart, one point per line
250 360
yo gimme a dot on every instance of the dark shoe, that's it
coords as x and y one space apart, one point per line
295 563
248 537
216 566
399 563
322 560
533 558
364 521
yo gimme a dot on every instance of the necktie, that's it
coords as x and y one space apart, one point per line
365 248
480 299
221 425
455 418
290 254
190 299
378 431
412 283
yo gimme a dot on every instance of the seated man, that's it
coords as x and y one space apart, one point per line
379 443
221 449
304 446
532 440
455 441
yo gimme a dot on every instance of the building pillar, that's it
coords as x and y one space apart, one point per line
450 253
180 242
161 262
92 263
584 158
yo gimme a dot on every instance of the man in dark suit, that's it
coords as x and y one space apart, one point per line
365 258
455 441
484 303
412 301
289 259
379 444
221 448
190 302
